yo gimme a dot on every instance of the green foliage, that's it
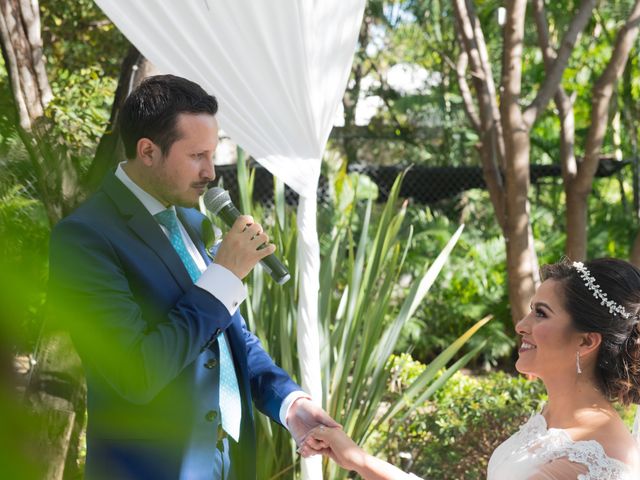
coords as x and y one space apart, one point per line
83 51
361 316
78 35
612 226
454 433
472 288
475 285
24 235
81 107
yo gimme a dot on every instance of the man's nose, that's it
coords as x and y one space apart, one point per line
208 172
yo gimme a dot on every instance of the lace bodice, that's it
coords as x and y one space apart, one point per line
536 449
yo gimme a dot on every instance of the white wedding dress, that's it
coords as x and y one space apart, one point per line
550 453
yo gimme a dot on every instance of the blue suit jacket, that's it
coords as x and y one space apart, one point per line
139 324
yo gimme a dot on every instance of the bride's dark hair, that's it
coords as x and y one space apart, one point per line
618 363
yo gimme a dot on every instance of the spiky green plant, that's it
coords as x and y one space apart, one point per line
361 313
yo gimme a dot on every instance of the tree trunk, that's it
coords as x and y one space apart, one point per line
635 252
567 128
521 255
522 264
576 221
577 190
352 93
487 120
505 130
631 113
22 52
57 395
110 151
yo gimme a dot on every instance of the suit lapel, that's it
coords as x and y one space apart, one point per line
140 221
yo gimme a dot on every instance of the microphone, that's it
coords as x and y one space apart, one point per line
218 202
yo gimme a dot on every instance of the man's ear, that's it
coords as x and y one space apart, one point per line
589 342
146 151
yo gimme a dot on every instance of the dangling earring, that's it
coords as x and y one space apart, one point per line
578 369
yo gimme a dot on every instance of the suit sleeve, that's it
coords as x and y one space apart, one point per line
270 384
90 294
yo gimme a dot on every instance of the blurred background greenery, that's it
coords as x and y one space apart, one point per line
417 120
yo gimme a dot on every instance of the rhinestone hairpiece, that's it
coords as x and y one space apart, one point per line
590 283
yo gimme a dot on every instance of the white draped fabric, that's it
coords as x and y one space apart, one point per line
279 69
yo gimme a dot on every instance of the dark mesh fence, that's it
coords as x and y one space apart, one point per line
15 169
424 185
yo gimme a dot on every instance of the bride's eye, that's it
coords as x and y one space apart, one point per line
540 313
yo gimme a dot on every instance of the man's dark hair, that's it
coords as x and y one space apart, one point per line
151 110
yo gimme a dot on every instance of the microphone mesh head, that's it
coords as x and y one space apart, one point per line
215 198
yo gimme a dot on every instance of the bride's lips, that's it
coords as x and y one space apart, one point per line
526 347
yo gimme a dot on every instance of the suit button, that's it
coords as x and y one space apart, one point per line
211 416
211 364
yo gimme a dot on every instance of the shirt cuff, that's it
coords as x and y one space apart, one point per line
287 402
224 285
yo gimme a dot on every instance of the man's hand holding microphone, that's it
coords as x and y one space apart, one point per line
246 243
239 252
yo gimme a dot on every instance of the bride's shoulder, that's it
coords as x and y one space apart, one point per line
616 441
623 447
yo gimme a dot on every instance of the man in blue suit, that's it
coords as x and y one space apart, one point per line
171 368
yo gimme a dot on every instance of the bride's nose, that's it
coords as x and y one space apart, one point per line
522 327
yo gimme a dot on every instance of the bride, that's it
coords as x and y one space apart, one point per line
582 339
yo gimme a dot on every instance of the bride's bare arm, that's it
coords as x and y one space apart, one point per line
342 450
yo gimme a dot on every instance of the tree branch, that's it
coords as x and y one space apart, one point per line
485 65
563 102
14 45
460 67
135 68
471 41
554 76
31 18
602 93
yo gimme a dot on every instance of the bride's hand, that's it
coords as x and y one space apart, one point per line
334 443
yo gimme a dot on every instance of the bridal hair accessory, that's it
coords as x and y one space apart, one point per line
590 283
578 369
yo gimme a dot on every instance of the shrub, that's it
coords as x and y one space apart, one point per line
361 314
474 286
454 433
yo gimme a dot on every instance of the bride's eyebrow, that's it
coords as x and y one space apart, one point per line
545 305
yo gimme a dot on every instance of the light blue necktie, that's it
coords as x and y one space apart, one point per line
230 402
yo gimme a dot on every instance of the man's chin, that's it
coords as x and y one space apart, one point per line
193 202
